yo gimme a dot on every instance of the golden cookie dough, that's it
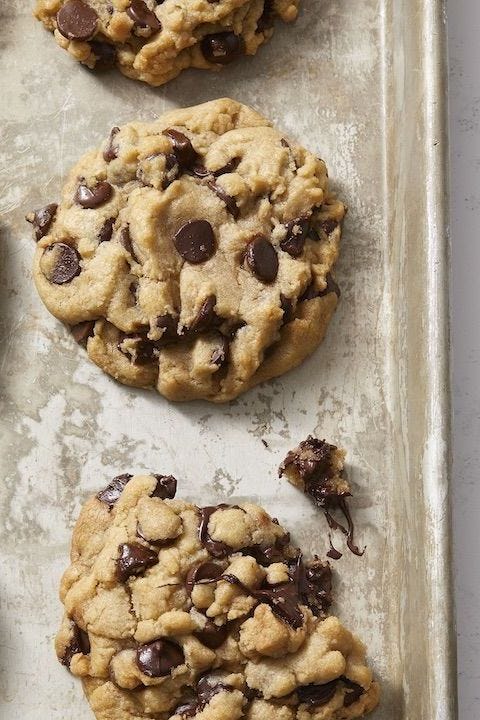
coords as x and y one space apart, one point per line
155 40
174 611
194 253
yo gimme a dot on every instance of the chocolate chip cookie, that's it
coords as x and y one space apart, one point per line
174 611
193 254
154 40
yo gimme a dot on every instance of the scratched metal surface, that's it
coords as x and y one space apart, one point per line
362 85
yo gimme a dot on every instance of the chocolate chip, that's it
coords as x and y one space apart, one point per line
82 331
142 16
314 695
284 143
230 202
76 20
207 688
134 559
216 548
202 571
126 242
286 305
105 53
206 316
112 492
262 259
211 635
159 658
106 230
79 643
195 241
165 488
294 240
222 48
66 263
42 219
139 349
93 197
329 225
168 324
110 152
183 149
220 354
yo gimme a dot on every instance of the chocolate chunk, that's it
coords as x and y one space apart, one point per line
93 197
79 643
66 263
112 492
134 559
142 16
286 306
294 240
202 571
230 202
126 242
266 19
106 230
82 331
110 152
216 548
159 658
165 488
328 226
312 291
183 150
314 695
284 602
105 53
207 687
262 259
42 219
353 691
77 21
222 48
220 354
167 323
206 316
314 582
195 241
212 636
139 349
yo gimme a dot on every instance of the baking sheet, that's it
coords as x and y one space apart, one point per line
362 84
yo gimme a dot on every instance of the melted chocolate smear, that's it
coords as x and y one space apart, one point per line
82 331
222 48
126 242
159 658
42 219
314 695
314 582
110 152
165 488
230 202
312 460
271 554
134 559
333 553
79 643
183 151
206 571
341 503
112 492
216 548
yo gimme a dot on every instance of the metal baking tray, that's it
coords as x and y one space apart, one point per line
362 84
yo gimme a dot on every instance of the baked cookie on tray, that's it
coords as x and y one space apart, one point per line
154 40
194 253
174 611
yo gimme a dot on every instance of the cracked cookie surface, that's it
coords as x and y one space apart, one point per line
155 40
193 253
174 611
